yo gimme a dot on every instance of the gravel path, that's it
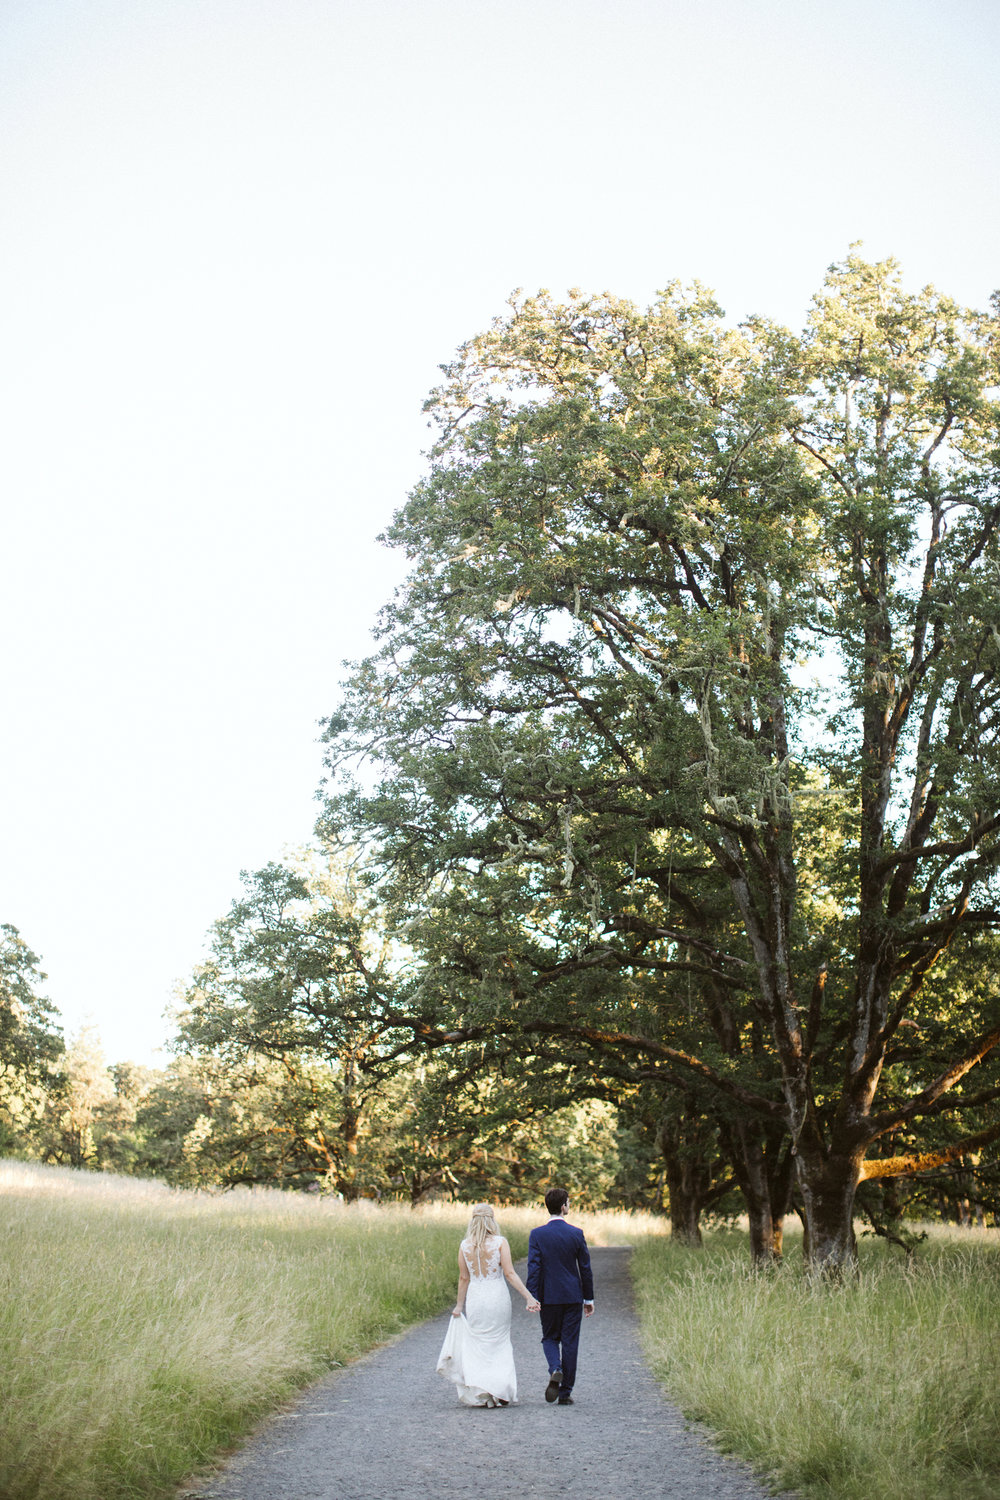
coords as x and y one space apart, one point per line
388 1428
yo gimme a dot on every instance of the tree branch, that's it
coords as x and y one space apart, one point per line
920 1103
907 1166
616 1040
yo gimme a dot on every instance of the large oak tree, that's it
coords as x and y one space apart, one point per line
694 610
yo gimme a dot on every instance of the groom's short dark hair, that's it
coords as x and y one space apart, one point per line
555 1198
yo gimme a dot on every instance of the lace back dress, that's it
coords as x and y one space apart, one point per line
477 1354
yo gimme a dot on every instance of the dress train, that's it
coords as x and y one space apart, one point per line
477 1355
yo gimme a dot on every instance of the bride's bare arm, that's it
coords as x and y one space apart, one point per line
507 1266
463 1286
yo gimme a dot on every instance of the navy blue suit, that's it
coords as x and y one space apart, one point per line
559 1275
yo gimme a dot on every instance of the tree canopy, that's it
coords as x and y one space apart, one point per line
686 719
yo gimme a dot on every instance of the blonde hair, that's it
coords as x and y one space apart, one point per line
482 1224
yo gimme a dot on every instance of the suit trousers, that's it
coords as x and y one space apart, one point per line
561 1339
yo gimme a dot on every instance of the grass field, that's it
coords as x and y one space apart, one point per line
887 1388
144 1329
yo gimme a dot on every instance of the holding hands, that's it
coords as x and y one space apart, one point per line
532 1306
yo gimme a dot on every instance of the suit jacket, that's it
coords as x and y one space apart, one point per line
559 1264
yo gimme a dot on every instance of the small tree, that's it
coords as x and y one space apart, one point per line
31 1043
74 1116
300 994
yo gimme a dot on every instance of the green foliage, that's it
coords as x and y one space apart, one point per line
30 1042
686 719
74 1119
295 1013
301 1038
480 1143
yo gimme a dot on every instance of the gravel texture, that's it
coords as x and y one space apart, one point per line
389 1428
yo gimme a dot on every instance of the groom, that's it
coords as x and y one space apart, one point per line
559 1276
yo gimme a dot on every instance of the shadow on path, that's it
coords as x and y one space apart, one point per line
389 1428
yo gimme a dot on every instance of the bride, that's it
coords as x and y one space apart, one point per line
477 1353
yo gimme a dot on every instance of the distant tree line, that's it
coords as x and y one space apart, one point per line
283 1075
231 1110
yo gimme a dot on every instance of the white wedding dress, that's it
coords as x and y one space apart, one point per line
477 1353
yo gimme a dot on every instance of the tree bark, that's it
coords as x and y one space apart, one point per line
685 1207
761 1233
751 1174
762 1167
828 1184
689 1179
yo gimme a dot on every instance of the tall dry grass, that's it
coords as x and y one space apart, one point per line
884 1388
142 1329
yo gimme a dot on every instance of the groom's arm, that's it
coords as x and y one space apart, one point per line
533 1279
586 1274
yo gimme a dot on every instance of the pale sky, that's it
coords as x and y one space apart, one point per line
238 238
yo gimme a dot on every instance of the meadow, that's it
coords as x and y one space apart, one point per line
144 1329
887 1386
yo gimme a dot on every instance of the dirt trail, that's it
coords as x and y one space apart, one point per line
388 1428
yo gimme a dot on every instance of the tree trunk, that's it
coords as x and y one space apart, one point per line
748 1164
761 1232
346 1174
349 1131
781 1177
688 1157
828 1185
761 1166
685 1207
800 1210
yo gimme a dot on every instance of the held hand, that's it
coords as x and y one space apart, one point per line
588 1311
532 1306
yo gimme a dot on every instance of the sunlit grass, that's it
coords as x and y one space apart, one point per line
142 1329
886 1388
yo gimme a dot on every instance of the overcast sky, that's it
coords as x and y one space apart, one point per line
237 240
